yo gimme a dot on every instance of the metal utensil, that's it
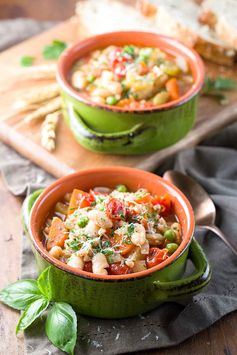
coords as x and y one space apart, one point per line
203 206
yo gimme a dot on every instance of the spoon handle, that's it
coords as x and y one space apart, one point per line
222 236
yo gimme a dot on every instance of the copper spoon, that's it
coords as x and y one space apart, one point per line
203 206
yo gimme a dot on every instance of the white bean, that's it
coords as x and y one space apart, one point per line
145 248
100 218
100 92
129 263
114 87
91 228
99 264
79 80
56 252
155 238
76 261
139 235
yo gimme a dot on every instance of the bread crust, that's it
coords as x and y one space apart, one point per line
208 48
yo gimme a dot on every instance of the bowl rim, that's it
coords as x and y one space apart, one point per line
88 275
191 54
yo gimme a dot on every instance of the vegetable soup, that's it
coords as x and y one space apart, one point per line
131 77
112 232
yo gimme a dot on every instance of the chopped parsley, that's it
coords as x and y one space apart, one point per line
130 229
54 49
74 244
107 251
106 244
27 61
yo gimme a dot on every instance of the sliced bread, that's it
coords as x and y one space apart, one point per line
224 19
179 19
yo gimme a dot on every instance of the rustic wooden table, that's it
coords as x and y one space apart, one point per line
220 338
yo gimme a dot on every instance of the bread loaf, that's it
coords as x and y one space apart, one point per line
180 19
224 17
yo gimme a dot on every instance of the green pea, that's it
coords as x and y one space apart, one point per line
121 188
90 78
170 235
111 100
82 221
172 247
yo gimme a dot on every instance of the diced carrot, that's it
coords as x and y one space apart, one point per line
143 68
147 198
123 248
79 199
57 234
173 88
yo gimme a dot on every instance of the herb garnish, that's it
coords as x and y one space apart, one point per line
33 297
53 50
106 244
130 229
74 244
107 251
215 88
27 61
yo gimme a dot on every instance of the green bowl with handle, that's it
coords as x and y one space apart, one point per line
117 296
110 129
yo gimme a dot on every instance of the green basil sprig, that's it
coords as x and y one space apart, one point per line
61 327
54 49
217 87
33 297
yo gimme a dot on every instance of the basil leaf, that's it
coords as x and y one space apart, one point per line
20 294
61 327
26 61
32 312
44 283
53 50
219 83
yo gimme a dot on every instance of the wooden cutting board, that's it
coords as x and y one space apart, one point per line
69 155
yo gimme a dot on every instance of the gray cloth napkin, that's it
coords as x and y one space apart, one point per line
214 164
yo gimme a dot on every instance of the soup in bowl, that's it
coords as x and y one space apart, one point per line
128 286
132 77
129 92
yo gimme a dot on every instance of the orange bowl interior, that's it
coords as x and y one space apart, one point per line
109 177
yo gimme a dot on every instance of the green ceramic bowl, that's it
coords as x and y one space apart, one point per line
117 296
107 129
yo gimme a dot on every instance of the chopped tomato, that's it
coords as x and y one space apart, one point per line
123 248
88 266
115 56
119 269
57 234
79 199
119 70
165 201
116 209
156 256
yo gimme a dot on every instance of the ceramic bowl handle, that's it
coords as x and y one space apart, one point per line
26 208
190 285
119 142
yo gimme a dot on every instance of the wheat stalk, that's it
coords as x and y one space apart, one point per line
48 130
